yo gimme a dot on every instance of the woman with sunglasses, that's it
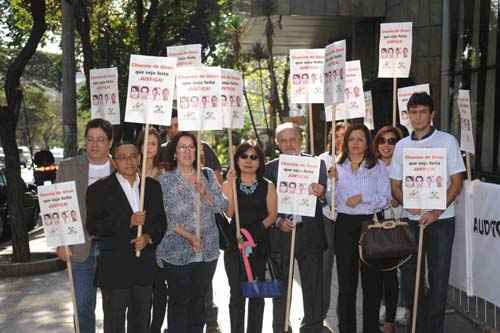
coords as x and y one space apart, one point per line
362 190
188 261
257 203
384 144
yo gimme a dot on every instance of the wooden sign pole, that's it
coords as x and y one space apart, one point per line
311 130
198 177
334 158
417 279
71 282
235 193
290 280
143 179
394 100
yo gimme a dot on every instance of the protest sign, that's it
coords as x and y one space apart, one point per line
232 98
404 95
187 55
60 214
150 87
424 178
334 72
198 93
307 70
295 176
369 122
354 97
395 50
104 95
466 135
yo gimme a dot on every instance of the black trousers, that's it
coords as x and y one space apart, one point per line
311 276
236 274
135 302
347 232
159 301
188 286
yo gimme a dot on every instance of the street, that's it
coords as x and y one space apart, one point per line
42 303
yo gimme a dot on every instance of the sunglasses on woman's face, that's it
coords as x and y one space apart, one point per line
251 156
390 141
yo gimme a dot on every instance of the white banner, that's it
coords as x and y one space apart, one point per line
150 86
104 94
424 178
295 176
60 214
466 135
232 98
476 269
395 50
198 93
404 95
354 97
334 72
369 122
307 70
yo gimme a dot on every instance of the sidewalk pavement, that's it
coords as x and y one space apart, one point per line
42 303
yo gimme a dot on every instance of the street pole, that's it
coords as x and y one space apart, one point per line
68 76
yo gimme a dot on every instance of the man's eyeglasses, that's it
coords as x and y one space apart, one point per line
251 156
99 140
390 141
123 158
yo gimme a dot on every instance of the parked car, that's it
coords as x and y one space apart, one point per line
30 207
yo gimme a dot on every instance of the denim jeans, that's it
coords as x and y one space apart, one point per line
85 290
437 249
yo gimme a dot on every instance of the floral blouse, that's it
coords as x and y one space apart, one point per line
179 200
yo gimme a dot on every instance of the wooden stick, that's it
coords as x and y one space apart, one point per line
394 100
71 282
143 180
417 281
334 158
235 193
198 177
290 280
467 162
311 130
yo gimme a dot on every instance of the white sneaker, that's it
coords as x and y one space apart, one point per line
381 315
402 315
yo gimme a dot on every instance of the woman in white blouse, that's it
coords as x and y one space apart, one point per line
362 190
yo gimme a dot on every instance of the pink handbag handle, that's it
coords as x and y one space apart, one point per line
248 242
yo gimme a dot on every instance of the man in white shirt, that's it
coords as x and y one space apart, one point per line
86 170
439 224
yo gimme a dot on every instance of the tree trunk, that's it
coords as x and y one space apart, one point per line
69 84
83 26
275 100
9 116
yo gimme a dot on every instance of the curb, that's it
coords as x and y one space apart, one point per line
42 263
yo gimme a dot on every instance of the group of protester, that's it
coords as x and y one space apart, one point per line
177 263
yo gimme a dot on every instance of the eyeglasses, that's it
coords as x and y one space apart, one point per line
390 141
123 158
99 140
184 149
252 157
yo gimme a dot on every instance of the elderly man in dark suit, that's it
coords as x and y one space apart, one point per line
113 214
310 240
85 170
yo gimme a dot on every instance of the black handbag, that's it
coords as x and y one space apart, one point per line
386 245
